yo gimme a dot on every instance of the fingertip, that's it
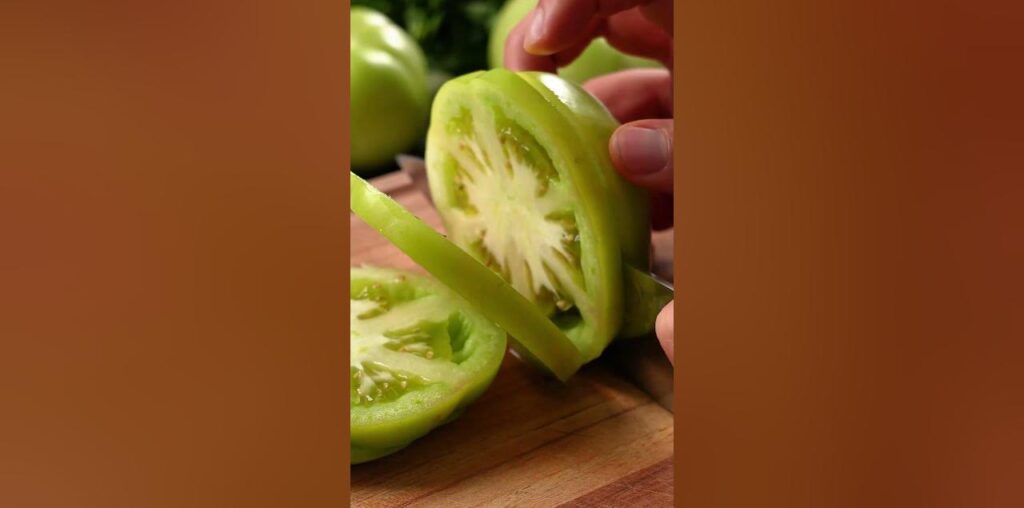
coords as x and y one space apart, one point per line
513 48
516 57
554 26
642 150
642 153
664 328
534 33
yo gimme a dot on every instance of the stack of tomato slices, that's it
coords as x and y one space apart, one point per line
519 170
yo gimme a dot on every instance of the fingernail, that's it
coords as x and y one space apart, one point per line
642 151
536 30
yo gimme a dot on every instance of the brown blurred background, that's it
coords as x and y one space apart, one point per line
851 245
173 254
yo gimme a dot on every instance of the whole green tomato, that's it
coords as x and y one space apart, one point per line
599 58
389 101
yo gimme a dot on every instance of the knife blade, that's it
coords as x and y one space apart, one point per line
416 169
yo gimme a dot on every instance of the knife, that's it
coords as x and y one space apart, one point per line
640 359
416 169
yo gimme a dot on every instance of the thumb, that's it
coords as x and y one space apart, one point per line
664 328
642 152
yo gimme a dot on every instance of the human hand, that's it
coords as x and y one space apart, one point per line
557 31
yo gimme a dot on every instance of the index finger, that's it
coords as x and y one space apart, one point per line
642 30
557 25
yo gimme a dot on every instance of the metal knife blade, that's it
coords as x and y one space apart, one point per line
416 169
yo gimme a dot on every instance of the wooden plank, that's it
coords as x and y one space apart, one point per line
583 459
530 440
650 487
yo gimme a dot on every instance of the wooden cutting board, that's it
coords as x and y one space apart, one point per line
530 441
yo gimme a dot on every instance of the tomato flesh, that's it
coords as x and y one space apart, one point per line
419 355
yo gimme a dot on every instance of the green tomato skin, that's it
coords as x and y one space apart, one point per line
598 59
631 219
645 298
389 99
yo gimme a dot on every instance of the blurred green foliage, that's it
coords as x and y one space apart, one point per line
452 33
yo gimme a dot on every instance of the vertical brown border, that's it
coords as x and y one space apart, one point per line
173 239
851 254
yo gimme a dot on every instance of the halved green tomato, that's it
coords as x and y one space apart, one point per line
519 169
419 355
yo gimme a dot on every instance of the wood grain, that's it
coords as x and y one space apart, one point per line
529 441
648 487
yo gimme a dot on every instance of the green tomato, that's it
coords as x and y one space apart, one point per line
389 99
599 58
420 355
519 170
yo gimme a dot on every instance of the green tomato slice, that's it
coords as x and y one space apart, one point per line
534 337
645 297
419 355
519 170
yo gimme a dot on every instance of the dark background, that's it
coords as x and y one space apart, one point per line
453 35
